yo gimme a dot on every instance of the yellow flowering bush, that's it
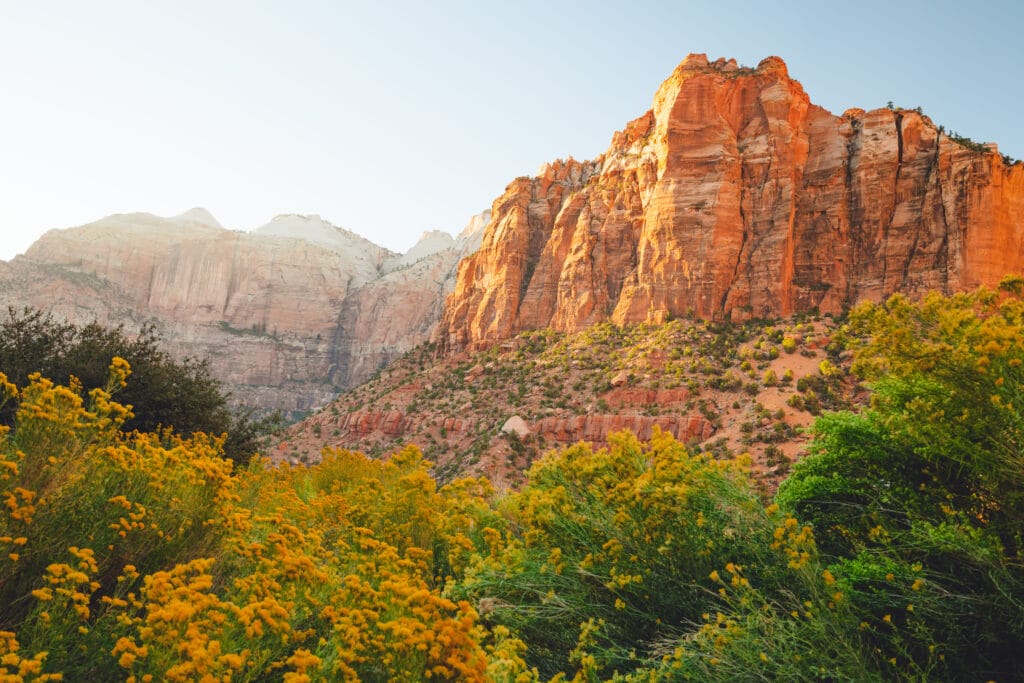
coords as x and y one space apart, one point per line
346 549
622 540
146 554
15 666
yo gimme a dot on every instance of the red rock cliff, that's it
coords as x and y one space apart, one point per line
735 196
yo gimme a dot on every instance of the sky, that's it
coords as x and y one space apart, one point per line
393 118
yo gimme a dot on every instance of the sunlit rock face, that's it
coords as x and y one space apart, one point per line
287 314
735 196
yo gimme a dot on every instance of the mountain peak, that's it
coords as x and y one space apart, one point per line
313 228
773 64
430 242
199 216
436 236
694 60
698 63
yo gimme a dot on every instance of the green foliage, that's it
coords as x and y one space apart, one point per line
920 500
947 380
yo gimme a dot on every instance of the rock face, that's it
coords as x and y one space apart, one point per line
596 428
287 315
734 196
517 426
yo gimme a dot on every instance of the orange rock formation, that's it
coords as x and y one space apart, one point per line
734 196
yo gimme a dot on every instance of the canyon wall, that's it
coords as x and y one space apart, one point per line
287 315
733 197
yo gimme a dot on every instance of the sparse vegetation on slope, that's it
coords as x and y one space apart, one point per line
745 387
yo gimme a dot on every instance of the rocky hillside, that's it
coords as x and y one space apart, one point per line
731 387
288 315
735 196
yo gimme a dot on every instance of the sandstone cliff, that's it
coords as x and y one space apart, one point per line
735 196
287 315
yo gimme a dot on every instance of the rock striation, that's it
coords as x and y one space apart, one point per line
287 315
733 197
596 428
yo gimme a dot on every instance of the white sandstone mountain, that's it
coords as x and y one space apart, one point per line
288 314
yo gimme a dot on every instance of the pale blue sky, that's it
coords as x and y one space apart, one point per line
391 118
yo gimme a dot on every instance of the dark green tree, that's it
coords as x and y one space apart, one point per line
163 392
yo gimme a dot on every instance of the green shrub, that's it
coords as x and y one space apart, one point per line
919 501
